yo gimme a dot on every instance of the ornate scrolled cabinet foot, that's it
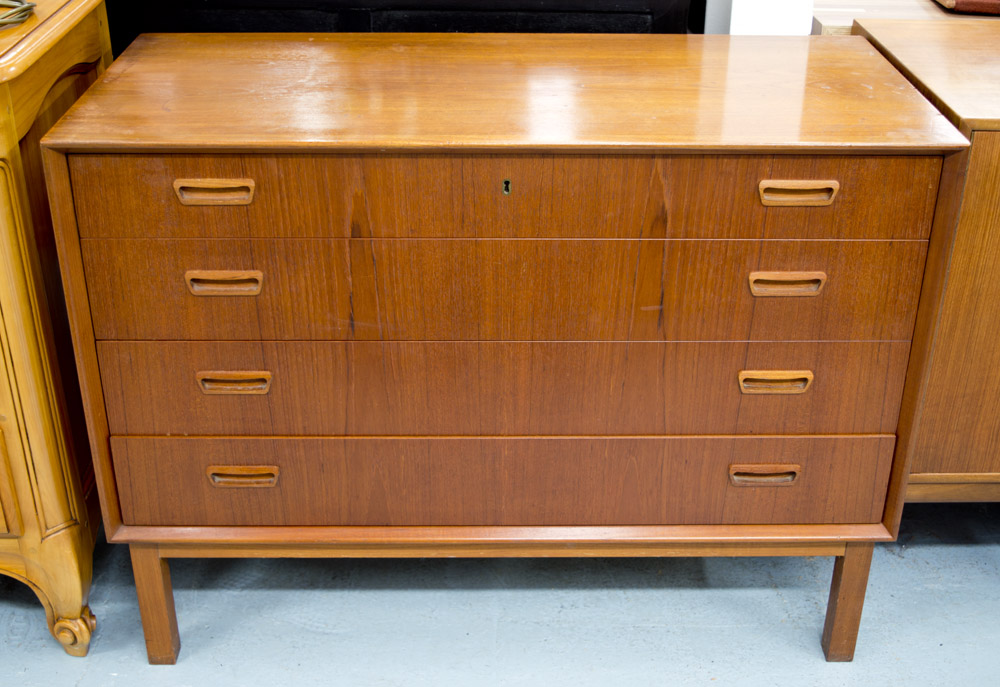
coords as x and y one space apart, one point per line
48 508
74 633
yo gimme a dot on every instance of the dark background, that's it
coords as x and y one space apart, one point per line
128 18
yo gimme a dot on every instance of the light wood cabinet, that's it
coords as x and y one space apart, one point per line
956 448
49 518
497 296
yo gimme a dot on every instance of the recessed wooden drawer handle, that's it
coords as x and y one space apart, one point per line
763 475
214 191
798 192
787 283
775 381
243 475
224 282
234 382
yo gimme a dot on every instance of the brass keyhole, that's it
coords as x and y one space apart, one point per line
506 187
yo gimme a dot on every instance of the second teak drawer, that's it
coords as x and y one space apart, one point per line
485 289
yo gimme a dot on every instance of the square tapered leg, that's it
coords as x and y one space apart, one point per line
156 603
847 597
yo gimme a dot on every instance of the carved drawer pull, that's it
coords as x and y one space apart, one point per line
214 191
238 382
224 282
763 475
798 192
775 381
243 475
787 283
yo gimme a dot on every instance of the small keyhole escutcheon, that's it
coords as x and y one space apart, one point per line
506 187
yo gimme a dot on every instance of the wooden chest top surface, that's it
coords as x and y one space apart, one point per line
414 92
955 63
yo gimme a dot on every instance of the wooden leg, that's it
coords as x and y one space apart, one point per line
156 603
847 597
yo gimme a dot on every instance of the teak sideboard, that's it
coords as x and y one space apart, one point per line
49 515
956 455
485 295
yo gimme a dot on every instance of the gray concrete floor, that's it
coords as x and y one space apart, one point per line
932 617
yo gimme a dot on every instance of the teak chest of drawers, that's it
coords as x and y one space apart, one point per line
342 295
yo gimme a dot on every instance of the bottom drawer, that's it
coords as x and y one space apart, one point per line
175 481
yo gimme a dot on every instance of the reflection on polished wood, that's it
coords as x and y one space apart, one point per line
956 64
493 289
453 91
835 17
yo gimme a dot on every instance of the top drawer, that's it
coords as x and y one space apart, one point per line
492 196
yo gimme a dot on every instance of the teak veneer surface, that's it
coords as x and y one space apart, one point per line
499 295
960 424
315 92
503 482
489 289
955 63
506 388
460 196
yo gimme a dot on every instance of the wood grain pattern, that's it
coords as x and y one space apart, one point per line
952 492
870 293
119 199
955 429
847 597
954 63
508 388
960 429
138 289
10 519
877 198
456 267
156 604
49 506
81 324
922 351
441 196
389 542
528 548
436 91
953 478
503 290
23 45
501 482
